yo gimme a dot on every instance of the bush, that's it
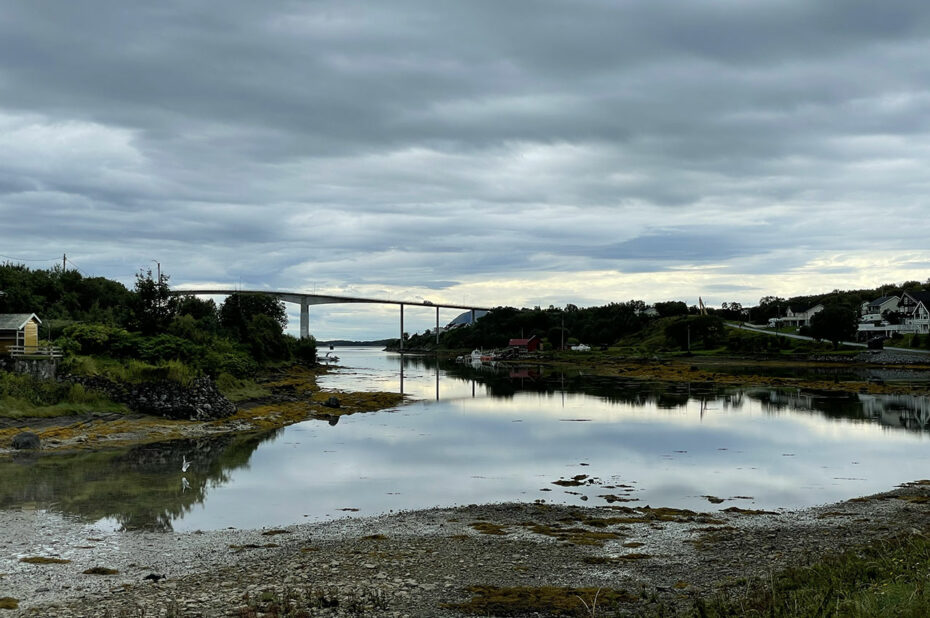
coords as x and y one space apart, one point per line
304 350
167 347
31 390
95 338
236 363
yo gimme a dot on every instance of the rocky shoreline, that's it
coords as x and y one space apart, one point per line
430 562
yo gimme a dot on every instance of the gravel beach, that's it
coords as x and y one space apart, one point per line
419 563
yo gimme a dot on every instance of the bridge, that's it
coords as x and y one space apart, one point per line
305 300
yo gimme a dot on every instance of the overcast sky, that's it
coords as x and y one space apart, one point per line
486 152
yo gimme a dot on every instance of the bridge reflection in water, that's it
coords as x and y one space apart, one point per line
502 429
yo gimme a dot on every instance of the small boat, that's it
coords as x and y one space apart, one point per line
478 356
330 358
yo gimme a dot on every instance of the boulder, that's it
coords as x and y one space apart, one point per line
26 440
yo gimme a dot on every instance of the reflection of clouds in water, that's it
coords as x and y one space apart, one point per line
445 453
672 443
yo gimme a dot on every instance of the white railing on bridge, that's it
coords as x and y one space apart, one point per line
34 351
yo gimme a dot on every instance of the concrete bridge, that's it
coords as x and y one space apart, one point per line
305 300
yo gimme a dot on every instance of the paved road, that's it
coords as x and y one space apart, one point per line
849 343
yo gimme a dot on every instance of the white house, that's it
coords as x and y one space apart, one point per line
796 318
916 309
913 309
872 311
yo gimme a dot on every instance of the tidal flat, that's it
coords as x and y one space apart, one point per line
488 560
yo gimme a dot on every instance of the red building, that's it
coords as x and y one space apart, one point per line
525 345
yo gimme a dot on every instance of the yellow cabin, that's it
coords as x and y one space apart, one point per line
19 333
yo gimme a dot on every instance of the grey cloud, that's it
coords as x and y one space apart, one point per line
424 144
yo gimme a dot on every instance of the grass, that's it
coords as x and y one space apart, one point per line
240 389
546 600
18 408
300 602
887 578
132 371
25 396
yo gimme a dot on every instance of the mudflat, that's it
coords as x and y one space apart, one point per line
497 559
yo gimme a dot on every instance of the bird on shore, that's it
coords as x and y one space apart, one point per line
184 463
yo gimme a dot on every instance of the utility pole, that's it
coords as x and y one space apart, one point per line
158 267
64 262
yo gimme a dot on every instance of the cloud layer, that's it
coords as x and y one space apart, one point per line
520 153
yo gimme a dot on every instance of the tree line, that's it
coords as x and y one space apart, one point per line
99 316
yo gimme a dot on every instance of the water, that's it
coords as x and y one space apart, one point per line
496 435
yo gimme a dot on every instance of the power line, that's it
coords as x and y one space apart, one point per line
77 268
54 259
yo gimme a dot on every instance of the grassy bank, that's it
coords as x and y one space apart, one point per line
23 396
887 578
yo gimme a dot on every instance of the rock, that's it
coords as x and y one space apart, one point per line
26 440
332 402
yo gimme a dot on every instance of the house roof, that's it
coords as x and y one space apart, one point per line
522 341
921 297
882 300
15 321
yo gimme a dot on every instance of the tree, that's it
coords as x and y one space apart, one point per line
671 308
153 305
834 323
237 311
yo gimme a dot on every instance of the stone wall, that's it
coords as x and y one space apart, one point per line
201 401
42 368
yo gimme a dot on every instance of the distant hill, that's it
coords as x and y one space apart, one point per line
344 343
465 318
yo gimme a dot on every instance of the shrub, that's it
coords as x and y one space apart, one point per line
167 347
95 338
304 350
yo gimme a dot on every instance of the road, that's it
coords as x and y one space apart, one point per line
802 337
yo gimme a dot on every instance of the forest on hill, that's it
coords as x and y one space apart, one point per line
666 325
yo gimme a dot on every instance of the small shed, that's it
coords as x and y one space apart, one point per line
528 345
19 333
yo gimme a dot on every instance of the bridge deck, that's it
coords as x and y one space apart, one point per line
305 300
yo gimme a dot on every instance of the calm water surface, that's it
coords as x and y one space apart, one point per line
477 435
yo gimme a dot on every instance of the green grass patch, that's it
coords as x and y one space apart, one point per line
888 578
240 389
546 600
26 396
133 371
17 408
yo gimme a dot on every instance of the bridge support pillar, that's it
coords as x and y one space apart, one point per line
402 327
304 318
437 325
